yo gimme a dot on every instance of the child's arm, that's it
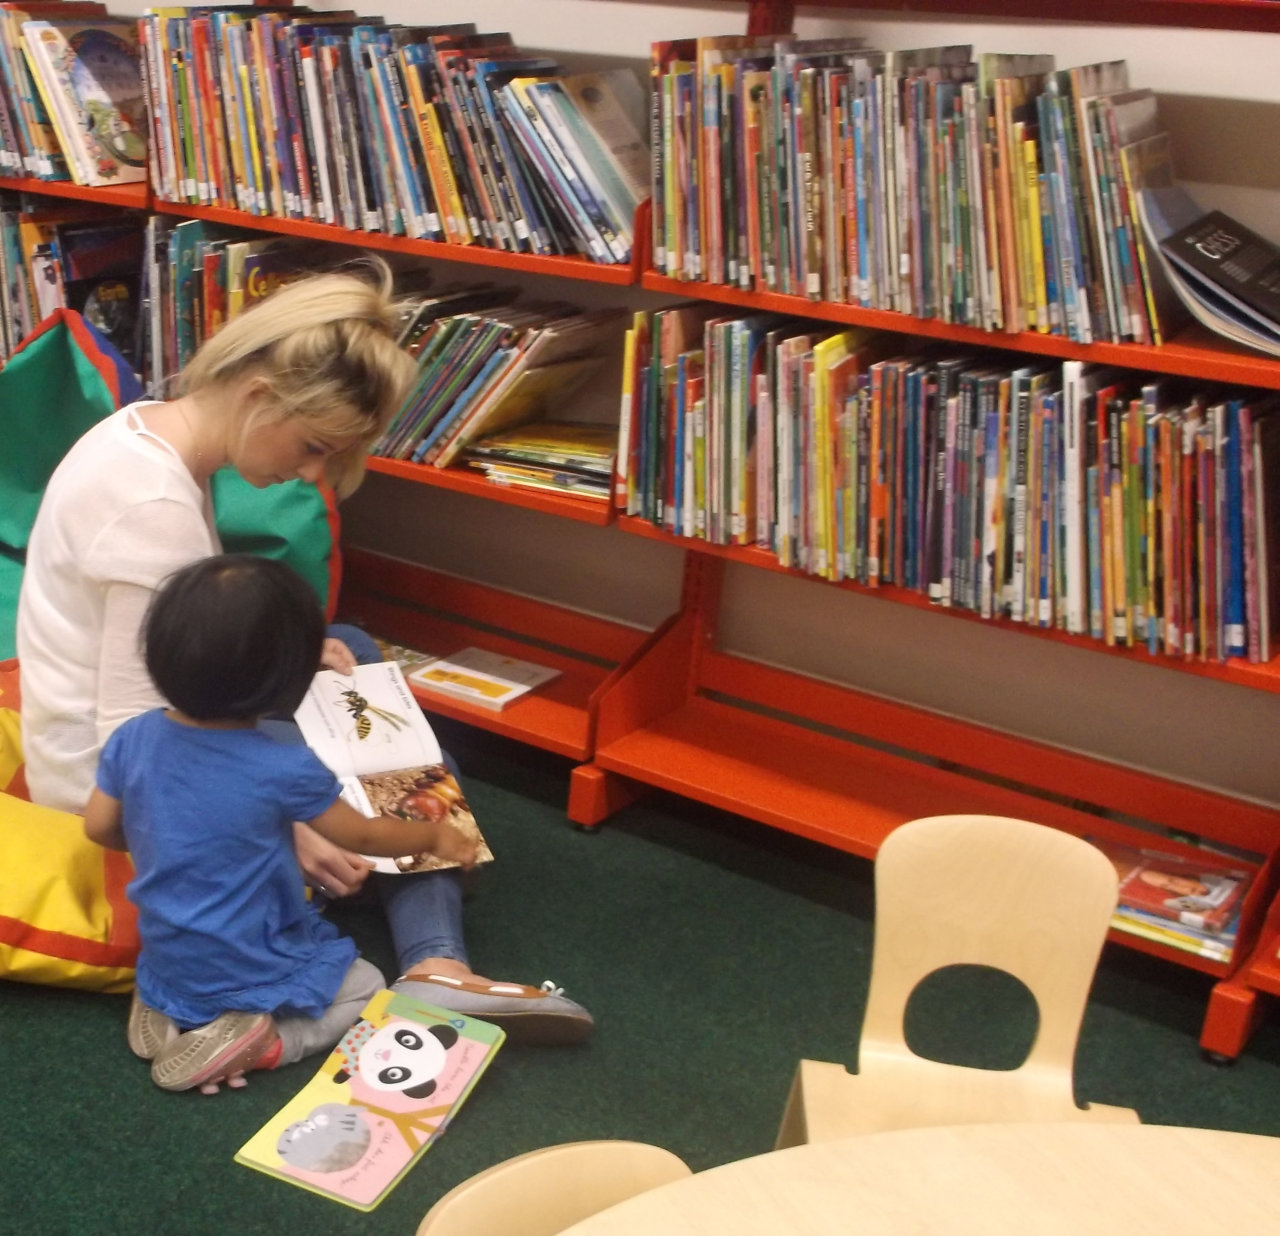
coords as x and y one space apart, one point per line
102 821
390 837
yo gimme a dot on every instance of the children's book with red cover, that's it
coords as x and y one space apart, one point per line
386 1092
1199 892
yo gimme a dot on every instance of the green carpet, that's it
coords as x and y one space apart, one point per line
713 953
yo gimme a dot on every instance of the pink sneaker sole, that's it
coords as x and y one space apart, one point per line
232 1043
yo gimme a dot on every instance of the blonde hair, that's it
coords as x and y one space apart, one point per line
325 346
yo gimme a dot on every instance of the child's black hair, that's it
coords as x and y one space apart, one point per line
234 637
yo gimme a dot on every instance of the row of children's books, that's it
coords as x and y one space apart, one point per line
56 255
995 191
71 100
1139 510
438 132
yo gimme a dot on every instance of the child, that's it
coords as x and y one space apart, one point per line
237 971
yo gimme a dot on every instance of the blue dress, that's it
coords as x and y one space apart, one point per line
208 817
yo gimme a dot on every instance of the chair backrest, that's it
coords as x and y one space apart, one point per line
545 1191
984 890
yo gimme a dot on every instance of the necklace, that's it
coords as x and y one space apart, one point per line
191 437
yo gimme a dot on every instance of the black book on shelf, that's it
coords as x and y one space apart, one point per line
1236 259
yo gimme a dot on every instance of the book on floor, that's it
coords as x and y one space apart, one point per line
486 679
382 1096
369 731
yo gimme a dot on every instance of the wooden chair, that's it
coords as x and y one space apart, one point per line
968 889
545 1191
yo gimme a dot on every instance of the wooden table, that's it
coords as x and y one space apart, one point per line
988 1180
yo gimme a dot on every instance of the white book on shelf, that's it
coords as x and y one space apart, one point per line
481 677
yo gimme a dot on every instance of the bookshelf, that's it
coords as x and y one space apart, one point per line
667 708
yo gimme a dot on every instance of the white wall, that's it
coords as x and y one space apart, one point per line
1225 94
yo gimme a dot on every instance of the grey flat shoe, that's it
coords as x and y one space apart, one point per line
544 1015
232 1043
149 1030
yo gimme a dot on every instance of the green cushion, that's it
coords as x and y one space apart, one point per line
295 523
63 380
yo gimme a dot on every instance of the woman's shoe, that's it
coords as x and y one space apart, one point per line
149 1030
537 1015
233 1043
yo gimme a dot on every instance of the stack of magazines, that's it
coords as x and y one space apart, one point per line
556 456
1190 903
437 132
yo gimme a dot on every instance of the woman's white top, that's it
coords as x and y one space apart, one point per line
120 513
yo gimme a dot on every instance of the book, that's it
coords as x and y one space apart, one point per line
1169 212
1202 893
90 78
481 677
1235 259
369 731
384 1094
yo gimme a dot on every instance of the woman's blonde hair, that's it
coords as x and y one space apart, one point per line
325 345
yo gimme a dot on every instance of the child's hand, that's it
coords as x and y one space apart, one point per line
454 846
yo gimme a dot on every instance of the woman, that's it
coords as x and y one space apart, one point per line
299 386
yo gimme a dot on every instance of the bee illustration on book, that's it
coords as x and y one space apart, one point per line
363 713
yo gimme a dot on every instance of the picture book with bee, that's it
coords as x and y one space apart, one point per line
391 1087
369 730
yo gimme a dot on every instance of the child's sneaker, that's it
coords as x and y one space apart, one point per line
232 1043
149 1029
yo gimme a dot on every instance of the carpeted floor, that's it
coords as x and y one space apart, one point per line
713 953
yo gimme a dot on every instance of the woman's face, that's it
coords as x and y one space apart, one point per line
281 451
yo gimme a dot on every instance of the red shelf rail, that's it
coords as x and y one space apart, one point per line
1240 673
472 255
135 196
460 480
1198 354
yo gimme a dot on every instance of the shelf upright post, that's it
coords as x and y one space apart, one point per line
770 16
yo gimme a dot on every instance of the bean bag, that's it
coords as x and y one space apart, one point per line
64 917
64 378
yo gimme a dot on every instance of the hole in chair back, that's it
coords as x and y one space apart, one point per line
972 1015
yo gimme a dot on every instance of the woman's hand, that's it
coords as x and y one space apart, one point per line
455 847
334 871
335 655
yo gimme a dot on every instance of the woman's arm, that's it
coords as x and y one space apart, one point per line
125 688
102 821
391 837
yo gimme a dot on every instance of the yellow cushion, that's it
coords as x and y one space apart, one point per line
64 917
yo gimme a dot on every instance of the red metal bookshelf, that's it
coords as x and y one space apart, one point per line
439 614
770 16
462 480
1240 673
844 767
134 197
472 255
1197 354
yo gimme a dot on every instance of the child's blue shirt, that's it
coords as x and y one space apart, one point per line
208 817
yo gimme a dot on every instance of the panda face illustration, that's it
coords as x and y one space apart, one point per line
404 1058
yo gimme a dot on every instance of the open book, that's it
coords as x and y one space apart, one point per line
369 730
382 1096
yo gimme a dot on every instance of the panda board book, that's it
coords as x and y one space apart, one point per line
391 1087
